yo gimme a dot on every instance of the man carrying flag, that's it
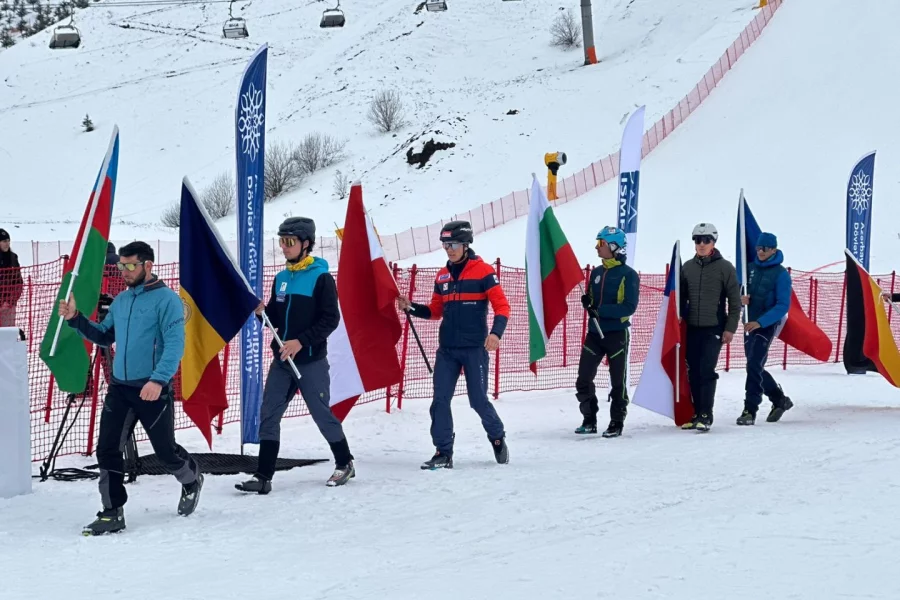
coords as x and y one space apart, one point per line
768 299
611 298
146 322
303 308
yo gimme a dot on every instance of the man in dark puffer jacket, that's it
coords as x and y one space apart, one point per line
708 281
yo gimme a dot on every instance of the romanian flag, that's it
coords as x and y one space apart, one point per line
217 302
866 315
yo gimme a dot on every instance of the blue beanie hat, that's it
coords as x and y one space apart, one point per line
767 240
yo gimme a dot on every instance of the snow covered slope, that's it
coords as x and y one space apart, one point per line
788 123
168 79
804 509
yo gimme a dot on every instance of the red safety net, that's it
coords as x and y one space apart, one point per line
821 295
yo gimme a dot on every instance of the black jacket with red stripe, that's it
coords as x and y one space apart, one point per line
461 296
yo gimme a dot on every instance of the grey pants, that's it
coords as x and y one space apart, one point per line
314 385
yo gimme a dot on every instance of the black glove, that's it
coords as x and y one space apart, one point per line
586 302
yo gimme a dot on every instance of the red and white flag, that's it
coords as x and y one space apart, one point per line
362 351
665 369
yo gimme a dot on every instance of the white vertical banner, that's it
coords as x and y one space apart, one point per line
629 180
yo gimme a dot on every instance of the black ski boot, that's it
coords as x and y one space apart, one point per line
257 485
501 451
746 418
779 409
692 424
614 429
110 520
438 461
704 423
190 496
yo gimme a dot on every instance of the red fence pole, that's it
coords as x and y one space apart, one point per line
221 420
95 396
497 353
837 345
49 398
405 350
30 314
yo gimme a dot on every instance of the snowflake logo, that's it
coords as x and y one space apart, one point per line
860 192
251 121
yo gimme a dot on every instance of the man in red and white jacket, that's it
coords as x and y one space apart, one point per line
462 290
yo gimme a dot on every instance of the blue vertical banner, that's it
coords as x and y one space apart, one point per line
250 148
859 208
629 180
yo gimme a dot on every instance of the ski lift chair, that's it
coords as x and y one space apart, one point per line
333 17
65 36
435 5
235 28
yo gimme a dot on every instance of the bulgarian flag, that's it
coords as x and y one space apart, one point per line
66 354
551 272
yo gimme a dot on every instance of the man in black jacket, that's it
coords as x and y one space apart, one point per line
611 299
10 282
708 282
303 307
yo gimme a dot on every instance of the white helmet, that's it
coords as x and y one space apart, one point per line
705 229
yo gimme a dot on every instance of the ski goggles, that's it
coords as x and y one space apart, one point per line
290 242
130 267
454 245
703 239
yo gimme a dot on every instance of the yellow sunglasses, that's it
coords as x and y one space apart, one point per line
128 266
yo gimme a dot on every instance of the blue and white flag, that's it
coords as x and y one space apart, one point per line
629 180
250 148
859 208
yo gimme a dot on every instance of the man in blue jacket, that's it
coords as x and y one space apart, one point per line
768 300
303 307
611 299
146 323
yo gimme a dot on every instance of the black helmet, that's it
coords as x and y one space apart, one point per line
457 231
302 227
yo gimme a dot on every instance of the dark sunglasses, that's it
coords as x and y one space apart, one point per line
703 239
128 266
764 248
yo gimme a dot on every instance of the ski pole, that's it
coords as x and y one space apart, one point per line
593 318
418 342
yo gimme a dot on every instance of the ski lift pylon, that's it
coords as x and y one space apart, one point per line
435 5
235 27
333 17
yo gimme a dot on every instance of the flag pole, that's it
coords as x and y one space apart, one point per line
593 318
88 224
743 256
418 342
271 327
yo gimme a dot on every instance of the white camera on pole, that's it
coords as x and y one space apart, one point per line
15 431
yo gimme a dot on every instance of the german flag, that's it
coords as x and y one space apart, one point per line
217 302
867 319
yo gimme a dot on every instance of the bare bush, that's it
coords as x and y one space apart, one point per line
386 111
219 198
282 173
317 151
171 216
341 185
565 30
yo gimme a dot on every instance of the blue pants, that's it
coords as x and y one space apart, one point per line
447 365
759 381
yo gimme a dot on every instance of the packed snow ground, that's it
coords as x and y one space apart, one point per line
169 80
787 124
805 508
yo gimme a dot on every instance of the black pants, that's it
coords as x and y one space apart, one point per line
759 381
614 346
121 409
702 356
